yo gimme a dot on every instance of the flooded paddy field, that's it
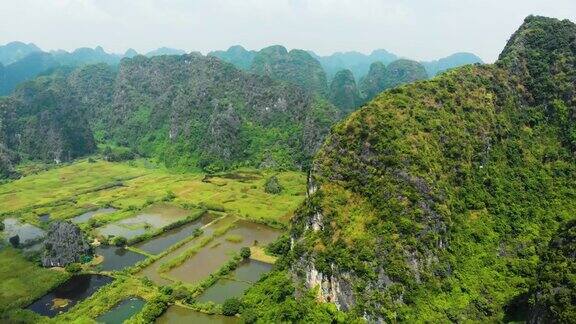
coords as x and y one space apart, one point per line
83 218
117 258
27 233
179 314
211 257
163 241
149 219
68 294
224 289
152 271
123 311
234 286
146 199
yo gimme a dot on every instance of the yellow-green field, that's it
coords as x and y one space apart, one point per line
22 281
68 191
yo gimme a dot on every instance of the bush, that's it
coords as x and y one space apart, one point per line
245 253
279 247
119 241
154 308
273 186
1 226
231 307
183 294
73 268
169 196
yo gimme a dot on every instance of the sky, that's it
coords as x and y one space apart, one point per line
417 29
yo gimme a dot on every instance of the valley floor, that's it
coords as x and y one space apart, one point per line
185 232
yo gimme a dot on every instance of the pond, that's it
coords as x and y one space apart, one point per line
179 314
247 273
117 258
123 311
151 218
45 218
251 270
152 270
68 294
28 233
163 241
88 215
219 251
224 289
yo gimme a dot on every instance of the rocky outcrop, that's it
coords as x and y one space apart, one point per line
64 244
334 288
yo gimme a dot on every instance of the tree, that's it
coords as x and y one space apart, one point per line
245 253
273 186
231 307
119 241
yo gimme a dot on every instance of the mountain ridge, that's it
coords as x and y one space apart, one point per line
431 202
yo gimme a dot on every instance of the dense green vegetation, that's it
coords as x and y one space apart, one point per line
210 115
296 67
554 296
344 93
436 198
272 301
381 77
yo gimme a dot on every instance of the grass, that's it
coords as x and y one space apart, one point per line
70 190
257 253
23 281
234 238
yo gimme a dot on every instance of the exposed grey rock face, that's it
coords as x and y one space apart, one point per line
64 244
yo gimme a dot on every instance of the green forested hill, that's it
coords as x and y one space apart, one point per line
188 111
14 51
297 67
381 77
43 121
434 202
344 93
236 55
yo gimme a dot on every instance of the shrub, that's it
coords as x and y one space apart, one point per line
245 253
273 186
1 226
231 306
119 241
234 238
73 268
154 308
169 196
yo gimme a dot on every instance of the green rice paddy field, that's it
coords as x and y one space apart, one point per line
68 191
189 221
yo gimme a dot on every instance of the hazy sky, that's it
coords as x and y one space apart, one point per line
419 29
